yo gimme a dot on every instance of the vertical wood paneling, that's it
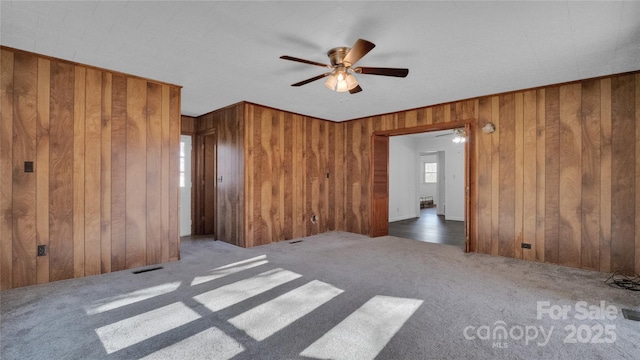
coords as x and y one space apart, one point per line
529 184
495 175
337 177
174 148
259 158
287 178
313 200
605 175
105 175
447 113
93 173
590 221
136 201
269 182
187 124
154 171
623 173
230 167
249 170
299 168
70 120
552 174
540 174
24 184
637 187
570 230
519 174
6 168
354 163
165 176
484 177
42 161
79 104
506 230
118 168
438 114
61 194
379 186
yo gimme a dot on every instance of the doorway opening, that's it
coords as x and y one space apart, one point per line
382 211
426 187
185 185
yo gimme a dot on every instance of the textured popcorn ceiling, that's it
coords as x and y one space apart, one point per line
226 52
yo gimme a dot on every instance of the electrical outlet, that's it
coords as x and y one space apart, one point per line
42 250
526 246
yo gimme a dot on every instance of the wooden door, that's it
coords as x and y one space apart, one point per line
208 184
379 186
467 188
205 186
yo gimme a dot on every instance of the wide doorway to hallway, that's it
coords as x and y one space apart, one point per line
427 187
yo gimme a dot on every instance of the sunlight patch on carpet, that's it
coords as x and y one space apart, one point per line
268 318
231 269
225 296
208 344
117 301
130 331
364 333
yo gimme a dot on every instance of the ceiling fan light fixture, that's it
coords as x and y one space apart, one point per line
461 136
341 78
332 81
341 81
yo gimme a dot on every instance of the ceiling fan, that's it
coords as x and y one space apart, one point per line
340 78
461 135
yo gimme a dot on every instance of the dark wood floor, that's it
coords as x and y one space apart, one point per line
429 227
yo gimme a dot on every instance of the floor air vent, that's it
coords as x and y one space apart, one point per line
295 242
631 314
147 270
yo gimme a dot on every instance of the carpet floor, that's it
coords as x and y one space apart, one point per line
330 296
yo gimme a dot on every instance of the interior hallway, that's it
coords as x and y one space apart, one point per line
429 227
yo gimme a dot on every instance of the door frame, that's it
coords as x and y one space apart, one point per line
470 172
198 206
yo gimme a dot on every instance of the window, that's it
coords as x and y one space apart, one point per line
182 165
430 172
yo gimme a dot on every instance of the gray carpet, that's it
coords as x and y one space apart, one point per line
331 296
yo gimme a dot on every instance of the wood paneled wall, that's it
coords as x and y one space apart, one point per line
561 172
103 194
293 167
278 169
187 125
228 125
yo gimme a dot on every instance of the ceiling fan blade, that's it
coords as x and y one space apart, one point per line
359 49
287 57
304 82
355 90
397 72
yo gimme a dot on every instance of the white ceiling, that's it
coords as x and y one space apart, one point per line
226 52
